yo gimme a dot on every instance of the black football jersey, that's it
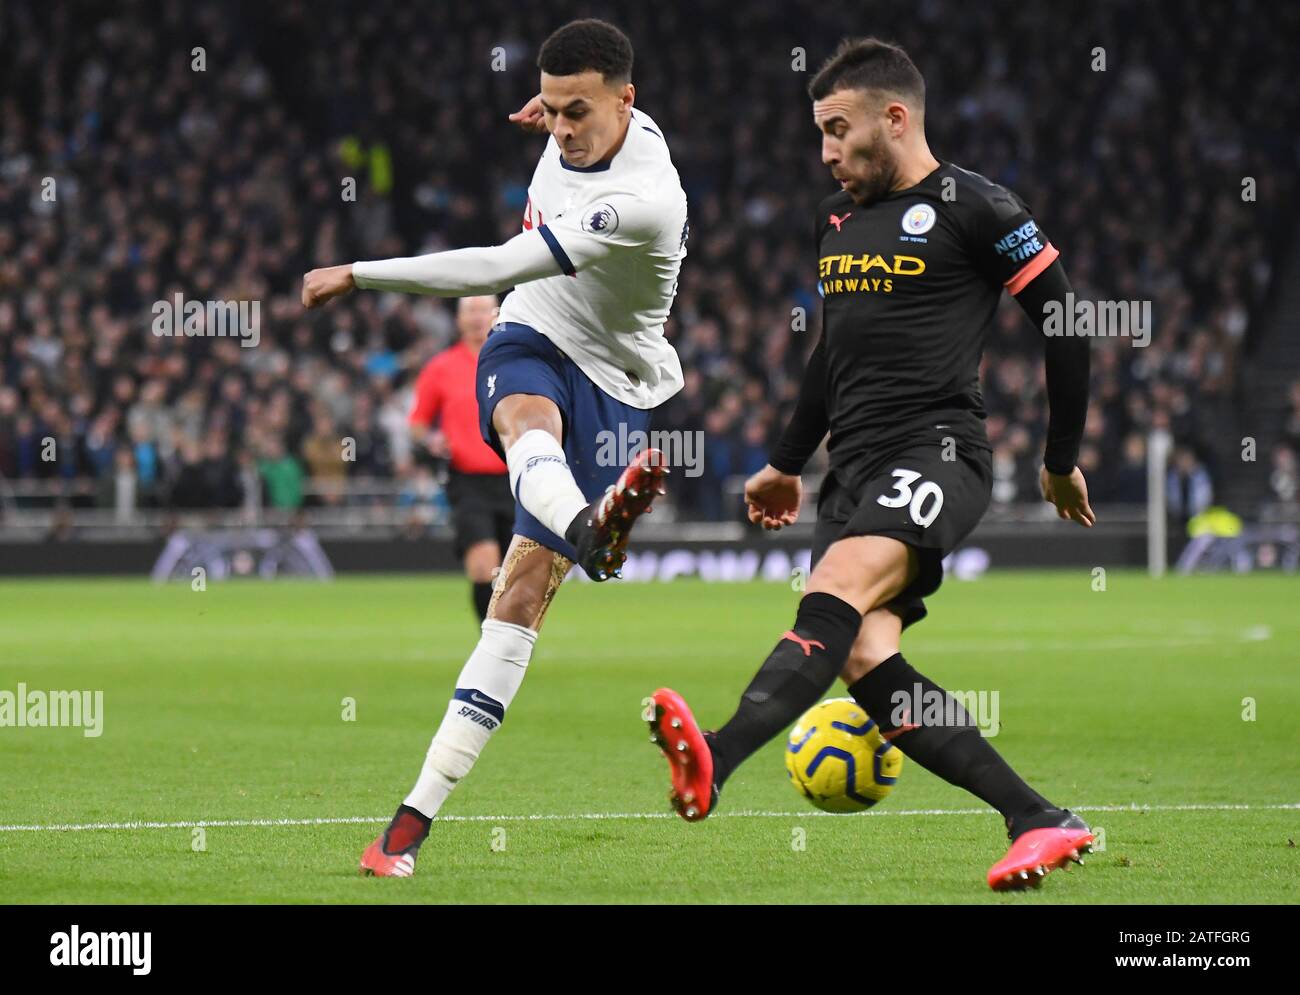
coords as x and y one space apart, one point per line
911 284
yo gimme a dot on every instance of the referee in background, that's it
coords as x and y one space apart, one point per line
444 419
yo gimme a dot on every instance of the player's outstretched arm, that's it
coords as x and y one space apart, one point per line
573 243
456 273
1068 360
321 285
773 495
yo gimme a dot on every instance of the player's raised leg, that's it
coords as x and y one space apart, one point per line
854 576
530 576
531 432
1043 835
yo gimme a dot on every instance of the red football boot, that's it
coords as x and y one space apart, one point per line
392 855
675 731
600 533
1035 852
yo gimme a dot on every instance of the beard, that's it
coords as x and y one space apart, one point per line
880 174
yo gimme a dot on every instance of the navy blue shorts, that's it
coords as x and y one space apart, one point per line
517 359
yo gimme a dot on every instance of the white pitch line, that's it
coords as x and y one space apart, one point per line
594 816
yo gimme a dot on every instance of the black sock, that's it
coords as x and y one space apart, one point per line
408 829
956 752
794 677
482 596
573 531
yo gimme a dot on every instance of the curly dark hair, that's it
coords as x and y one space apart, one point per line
587 44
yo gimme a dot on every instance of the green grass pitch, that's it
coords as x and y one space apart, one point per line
227 706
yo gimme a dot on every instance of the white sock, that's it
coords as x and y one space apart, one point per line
484 690
542 481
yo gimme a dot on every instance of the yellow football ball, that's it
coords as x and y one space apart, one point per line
837 759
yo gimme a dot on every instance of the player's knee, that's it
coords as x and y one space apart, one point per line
876 642
852 584
866 571
482 561
481 573
865 657
838 579
520 413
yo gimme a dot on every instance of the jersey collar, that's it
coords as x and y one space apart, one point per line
921 185
600 167
596 167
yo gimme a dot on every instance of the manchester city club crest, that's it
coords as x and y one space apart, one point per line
919 219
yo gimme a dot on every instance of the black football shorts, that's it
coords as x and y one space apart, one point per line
482 507
914 495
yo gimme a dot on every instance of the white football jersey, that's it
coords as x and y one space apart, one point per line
623 224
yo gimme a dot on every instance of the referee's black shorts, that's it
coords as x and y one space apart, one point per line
914 495
482 507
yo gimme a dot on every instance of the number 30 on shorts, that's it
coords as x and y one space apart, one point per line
914 499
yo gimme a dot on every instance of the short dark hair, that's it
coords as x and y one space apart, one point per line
869 64
587 44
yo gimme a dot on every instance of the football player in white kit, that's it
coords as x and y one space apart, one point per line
579 351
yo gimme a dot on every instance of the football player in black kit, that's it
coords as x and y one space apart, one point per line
913 256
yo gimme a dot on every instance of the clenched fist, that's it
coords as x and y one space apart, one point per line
531 117
321 285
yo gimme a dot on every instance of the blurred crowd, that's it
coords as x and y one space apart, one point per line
221 150
1284 463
